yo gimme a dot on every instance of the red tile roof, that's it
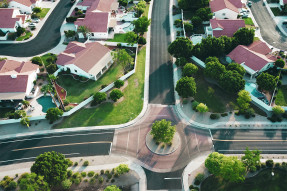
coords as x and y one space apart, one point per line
27 3
23 17
6 18
217 5
16 67
229 27
85 59
95 21
284 2
255 56
99 5
9 84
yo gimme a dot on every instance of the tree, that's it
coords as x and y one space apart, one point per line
4 4
47 89
211 59
25 121
140 8
181 47
20 114
227 167
188 27
20 31
37 10
187 4
243 99
186 87
112 188
236 67
116 94
232 81
202 108
33 182
141 25
52 166
25 103
122 169
278 110
280 63
244 36
189 70
196 21
84 30
52 68
162 131
214 70
37 60
120 56
123 2
180 62
251 159
99 97
70 33
266 81
204 13
54 114
119 83
66 184
131 37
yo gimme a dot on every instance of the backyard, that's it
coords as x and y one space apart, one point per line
276 11
263 181
114 113
281 97
118 38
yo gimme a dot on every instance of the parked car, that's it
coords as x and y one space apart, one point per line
36 20
249 3
32 25
19 106
244 15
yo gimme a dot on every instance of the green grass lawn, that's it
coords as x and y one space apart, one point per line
146 10
118 113
281 98
248 21
256 39
78 91
45 57
43 13
27 35
263 181
276 11
4 111
118 38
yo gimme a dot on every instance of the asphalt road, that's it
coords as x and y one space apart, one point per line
269 31
76 144
48 37
235 141
161 90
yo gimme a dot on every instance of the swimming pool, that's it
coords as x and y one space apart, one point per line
251 88
46 102
129 17
196 39
129 28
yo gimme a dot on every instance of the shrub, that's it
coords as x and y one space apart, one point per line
102 171
116 94
214 116
66 184
122 169
142 40
20 31
103 86
86 163
83 174
199 178
92 181
277 165
71 19
263 165
194 104
224 114
99 97
76 164
69 173
119 83
91 174
107 172
77 181
37 60
76 175
70 163
12 36
109 176
101 179
269 163
113 180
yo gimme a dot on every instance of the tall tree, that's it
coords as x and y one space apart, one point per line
33 182
266 81
243 99
131 37
236 67
121 57
189 70
162 131
244 36
232 81
181 47
54 114
141 25
186 87
251 159
214 70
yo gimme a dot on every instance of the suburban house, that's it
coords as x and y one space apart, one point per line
16 79
221 27
226 9
25 6
255 58
98 5
89 60
10 20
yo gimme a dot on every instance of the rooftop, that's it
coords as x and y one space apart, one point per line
95 21
6 18
217 5
226 27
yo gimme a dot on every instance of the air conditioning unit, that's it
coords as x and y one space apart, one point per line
14 76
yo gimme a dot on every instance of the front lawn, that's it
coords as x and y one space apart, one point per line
118 38
45 57
27 35
77 91
281 98
248 21
276 11
110 113
43 13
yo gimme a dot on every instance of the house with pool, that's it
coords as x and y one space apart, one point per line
16 80
255 58
89 60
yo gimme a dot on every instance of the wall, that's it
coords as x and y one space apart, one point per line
23 8
266 67
5 30
99 35
228 14
75 70
30 83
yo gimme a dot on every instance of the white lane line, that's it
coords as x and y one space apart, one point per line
33 158
54 137
245 150
111 148
139 132
176 178
128 141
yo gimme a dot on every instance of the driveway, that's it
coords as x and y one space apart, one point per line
48 37
161 90
268 29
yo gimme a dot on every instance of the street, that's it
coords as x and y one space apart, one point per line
76 144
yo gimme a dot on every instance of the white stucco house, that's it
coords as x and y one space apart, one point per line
10 20
255 58
25 6
16 79
89 60
226 9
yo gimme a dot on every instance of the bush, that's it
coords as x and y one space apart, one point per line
52 68
109 176
91 174
66 102
92 181
69 173
71 19
224 114
12 36
20 31
66 184
214 116
86 163
70 163
269 163
178 23
76 164
263 165
107 172
98 98
37 60
76 175
199 178
116 94
101 179
142 40
83 174
194 104
77 181
102 171
119 83
277 165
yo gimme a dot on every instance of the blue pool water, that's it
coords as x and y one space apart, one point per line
251 88
46 102
128 16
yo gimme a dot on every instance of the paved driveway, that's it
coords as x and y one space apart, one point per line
269 31
161 90
48 37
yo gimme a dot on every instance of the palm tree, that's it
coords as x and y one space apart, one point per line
52 77
84 30
48 88
25 103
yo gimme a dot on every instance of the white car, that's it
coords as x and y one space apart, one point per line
35 20
32 25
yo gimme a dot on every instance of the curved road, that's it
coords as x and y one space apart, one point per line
268 29
48 37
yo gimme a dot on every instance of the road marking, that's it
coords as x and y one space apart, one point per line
111 148
34 158
196 141
263 140
176 178
245 150
139 132
128 141
60 145
53 137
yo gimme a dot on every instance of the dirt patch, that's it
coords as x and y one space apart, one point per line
124 86
136 81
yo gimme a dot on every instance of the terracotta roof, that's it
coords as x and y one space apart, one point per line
217 5
229 27
251 56
85 59
74 47
11 66
95 21
6 18
100 5
9 84
27 3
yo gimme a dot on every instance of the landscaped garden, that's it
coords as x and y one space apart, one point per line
114 113
281 97
4 111
26 36
118 38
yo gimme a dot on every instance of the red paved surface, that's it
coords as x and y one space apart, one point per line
131 142
59 88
